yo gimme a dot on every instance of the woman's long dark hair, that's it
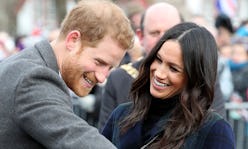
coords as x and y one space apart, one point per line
199 52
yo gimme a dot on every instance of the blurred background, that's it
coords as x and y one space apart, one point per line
22 22
22 17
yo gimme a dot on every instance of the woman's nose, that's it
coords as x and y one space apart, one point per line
161 72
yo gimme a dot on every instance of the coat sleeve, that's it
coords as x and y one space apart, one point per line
44 111
111 129
107 130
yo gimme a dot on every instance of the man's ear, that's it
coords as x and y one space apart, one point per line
139 34
72 39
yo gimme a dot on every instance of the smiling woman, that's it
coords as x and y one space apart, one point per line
172 95
167 75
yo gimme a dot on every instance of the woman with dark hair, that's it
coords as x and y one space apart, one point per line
171 97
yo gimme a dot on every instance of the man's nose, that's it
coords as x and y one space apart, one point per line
102 75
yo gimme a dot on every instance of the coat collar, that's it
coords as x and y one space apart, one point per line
45 50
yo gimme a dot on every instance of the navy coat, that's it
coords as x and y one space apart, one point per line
215 133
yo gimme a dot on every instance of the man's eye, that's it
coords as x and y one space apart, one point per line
156 33
99 63
102 64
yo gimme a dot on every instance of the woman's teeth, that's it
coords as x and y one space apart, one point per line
159 83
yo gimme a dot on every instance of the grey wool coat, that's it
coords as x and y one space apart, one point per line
36 108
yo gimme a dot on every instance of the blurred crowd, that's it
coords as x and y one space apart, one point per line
10 45
233 57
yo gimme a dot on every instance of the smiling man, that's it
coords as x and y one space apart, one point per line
35 105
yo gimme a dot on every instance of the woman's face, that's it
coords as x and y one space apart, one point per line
167 76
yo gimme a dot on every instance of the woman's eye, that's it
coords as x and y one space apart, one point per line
158 59
173 69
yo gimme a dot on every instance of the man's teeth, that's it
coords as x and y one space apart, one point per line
90 82
159 84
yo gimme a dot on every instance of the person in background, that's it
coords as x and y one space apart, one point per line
36 106
225 30
225 51
171 97
239 66
134 11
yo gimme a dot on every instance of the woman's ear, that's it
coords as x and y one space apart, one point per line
72 39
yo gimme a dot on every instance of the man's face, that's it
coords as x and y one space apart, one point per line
156 23
83 68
